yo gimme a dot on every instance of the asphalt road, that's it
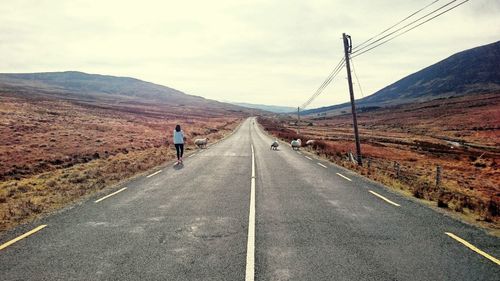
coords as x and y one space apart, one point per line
312 222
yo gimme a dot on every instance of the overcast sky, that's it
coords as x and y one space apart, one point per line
270 52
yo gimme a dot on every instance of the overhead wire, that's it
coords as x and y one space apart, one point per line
356 54
389 28
366 46
325 83
403 27
357 79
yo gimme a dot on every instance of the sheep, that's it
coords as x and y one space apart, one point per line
274 145
201 143
310 142
296 144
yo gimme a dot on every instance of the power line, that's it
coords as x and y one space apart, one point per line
366 47
397 35
403 27
320 89
357 80
325 83
389 28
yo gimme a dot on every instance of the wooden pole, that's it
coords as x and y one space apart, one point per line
347 51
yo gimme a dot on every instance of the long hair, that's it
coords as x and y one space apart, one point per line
178 128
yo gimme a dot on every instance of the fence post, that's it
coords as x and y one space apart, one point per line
396 167
438 175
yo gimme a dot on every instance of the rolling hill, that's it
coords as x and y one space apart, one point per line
473 71
74 85
271 108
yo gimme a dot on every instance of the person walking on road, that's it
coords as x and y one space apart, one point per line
179 143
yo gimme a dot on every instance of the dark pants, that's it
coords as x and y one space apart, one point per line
180 150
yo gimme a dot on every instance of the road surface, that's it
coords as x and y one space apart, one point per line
311 221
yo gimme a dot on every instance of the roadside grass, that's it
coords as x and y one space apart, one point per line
414 175
25 197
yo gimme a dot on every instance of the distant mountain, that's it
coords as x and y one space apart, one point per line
271 108
472 71
111 89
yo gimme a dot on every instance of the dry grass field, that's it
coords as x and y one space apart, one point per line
403 145
54 151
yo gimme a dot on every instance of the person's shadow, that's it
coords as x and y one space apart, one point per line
178 166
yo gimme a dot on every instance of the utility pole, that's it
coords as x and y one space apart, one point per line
298 120
347 50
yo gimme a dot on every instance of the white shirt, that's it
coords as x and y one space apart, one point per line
178 137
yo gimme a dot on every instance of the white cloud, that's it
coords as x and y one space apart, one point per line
274 52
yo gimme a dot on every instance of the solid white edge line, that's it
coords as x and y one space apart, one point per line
7 244
250 266
474 248
154 174
308 157
383 198
109 195
340 175
322 165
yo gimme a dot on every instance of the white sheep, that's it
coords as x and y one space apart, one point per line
274 145
296 144
201 143
310 142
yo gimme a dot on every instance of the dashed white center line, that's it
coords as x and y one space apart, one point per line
109 195
191 155
340 175
322 165
250 267
157 172
308 157
473 248
7 244
299 152
383 198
